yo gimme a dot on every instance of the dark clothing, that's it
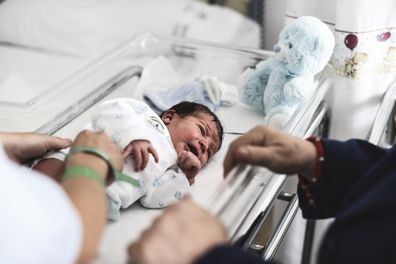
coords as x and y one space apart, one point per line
358 188
228 255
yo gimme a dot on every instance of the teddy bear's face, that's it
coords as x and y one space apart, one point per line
304 46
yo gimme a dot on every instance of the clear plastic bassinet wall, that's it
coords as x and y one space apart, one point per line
44 91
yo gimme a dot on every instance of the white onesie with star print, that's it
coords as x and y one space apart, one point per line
161 184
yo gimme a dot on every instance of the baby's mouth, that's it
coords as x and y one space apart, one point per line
193 149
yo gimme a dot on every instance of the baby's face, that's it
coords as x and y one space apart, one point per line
196 133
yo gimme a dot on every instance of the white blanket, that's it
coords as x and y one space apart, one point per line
93 26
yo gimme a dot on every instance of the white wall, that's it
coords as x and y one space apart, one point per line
274 11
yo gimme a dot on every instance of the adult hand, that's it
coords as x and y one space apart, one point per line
24 146
98 140
271 148
180 235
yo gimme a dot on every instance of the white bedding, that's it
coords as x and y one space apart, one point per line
94 26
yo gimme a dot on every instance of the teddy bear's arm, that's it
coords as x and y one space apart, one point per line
253 82
264 68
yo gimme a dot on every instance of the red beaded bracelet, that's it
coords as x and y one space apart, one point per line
319 157
306 184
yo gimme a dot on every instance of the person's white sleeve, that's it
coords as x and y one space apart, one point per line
122 120
38 222
166 190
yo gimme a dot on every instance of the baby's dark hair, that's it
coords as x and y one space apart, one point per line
186 108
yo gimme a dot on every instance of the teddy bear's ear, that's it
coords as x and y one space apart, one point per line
309 57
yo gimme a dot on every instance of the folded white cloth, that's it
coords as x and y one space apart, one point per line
219 92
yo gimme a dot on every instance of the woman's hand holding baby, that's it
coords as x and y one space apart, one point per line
189 164
140 150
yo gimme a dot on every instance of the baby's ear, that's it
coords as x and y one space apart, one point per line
168 116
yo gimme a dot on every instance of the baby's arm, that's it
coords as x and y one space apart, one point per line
50 167
253 82
140 151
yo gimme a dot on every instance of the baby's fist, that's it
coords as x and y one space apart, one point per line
189 164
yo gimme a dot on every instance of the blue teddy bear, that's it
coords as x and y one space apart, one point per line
278 84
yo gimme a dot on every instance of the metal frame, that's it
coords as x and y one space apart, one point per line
383 130
320 127
268 251
384 121
283 226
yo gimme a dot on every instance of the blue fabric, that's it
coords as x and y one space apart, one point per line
358 188
193 91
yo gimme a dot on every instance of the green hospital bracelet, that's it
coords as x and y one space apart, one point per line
83 172
98 153
112 173
122 177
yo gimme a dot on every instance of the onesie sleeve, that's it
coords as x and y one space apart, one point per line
166 189
120 195
122 120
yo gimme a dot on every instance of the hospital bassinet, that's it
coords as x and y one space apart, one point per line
53 93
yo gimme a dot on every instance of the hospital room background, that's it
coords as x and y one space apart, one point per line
58 58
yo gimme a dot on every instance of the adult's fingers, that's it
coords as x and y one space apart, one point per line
255 155
58 142
255 137
101 141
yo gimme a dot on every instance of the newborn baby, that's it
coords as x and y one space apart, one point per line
164 153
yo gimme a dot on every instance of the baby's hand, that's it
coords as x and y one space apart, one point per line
189 164
140 151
